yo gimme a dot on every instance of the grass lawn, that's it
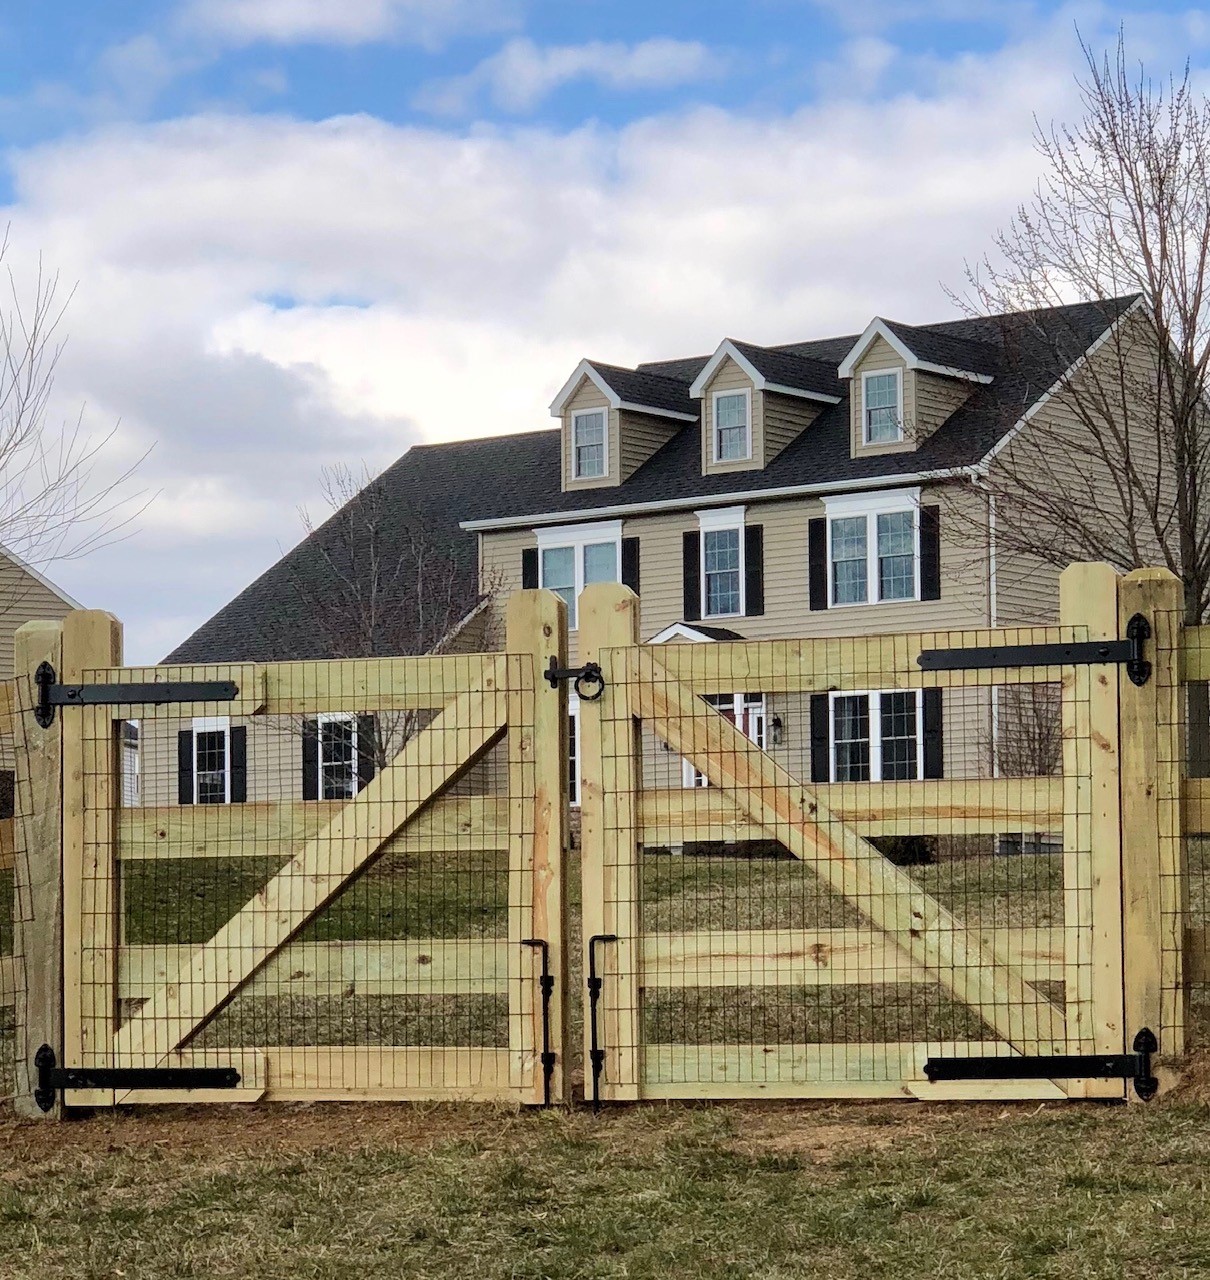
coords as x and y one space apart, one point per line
1074 1192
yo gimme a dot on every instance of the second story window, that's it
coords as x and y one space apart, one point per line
572 558
588 431
722 573
873 553
882 407
732 426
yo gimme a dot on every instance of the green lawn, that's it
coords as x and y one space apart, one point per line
1071 1192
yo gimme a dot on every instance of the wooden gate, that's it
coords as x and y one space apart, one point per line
346 882
889 880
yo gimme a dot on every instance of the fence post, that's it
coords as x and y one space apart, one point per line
610 775
38 869
536 623
1152 845
92 639
1092 884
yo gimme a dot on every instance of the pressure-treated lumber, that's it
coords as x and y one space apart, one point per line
854 662
34 978
428 764
1092 842
250 1063
885 894
1153 882
8 838
1194 654
949 807
275 828
92 640
609 830
536 628
823 957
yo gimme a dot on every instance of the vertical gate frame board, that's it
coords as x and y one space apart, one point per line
536 625
610 778
92 639
925 930
1153 883
430 762
38 868
1092 829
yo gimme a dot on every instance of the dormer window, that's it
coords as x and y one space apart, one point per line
732 426
588 444
882 406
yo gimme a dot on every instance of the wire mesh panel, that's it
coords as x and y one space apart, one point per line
842 866
327 884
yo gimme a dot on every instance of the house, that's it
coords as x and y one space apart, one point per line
820 488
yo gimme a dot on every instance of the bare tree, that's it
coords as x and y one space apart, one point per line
382 580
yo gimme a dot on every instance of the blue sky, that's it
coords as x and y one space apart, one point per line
306 233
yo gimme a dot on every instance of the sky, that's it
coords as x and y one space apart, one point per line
313 233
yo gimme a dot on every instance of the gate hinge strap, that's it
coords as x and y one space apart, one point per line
52 1078
52 694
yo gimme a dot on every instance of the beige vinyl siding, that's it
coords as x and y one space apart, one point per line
589 396
730 377
929 400
880 357
785 419
641 435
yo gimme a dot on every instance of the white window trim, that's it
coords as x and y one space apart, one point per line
870 505
333 717
746 392
691 776
575 417
875 711
213 724
866 375
719 520
577 537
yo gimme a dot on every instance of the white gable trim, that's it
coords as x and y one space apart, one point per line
40 578
728 350
585 369
681 631
877 328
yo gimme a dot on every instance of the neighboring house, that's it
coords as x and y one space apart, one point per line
821 488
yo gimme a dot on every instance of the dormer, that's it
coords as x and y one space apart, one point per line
904 382
614 419
755 401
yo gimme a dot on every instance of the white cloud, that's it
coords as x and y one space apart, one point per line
483 266
426 22
522 73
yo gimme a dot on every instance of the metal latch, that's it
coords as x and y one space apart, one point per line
1128 653
52 694
589 679
1134 1066
546 985
52 1078
596 1055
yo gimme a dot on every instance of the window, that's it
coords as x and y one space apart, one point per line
882 406
721 572
732 434
337 757
130 762
746 711
573 557
874 548
588 441
877 737
212 761
573 750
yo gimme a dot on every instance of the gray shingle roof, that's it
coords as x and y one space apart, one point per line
788 369
439 486
642 387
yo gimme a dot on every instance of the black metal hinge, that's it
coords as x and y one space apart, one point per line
52 1078
589 679
1128 653
52 694
1134 1066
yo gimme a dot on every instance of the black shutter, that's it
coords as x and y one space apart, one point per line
367 749
630 564
239 764
821 739
691 553
529 568
817 563
934 738
754 570
310 760
930 553
184 767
